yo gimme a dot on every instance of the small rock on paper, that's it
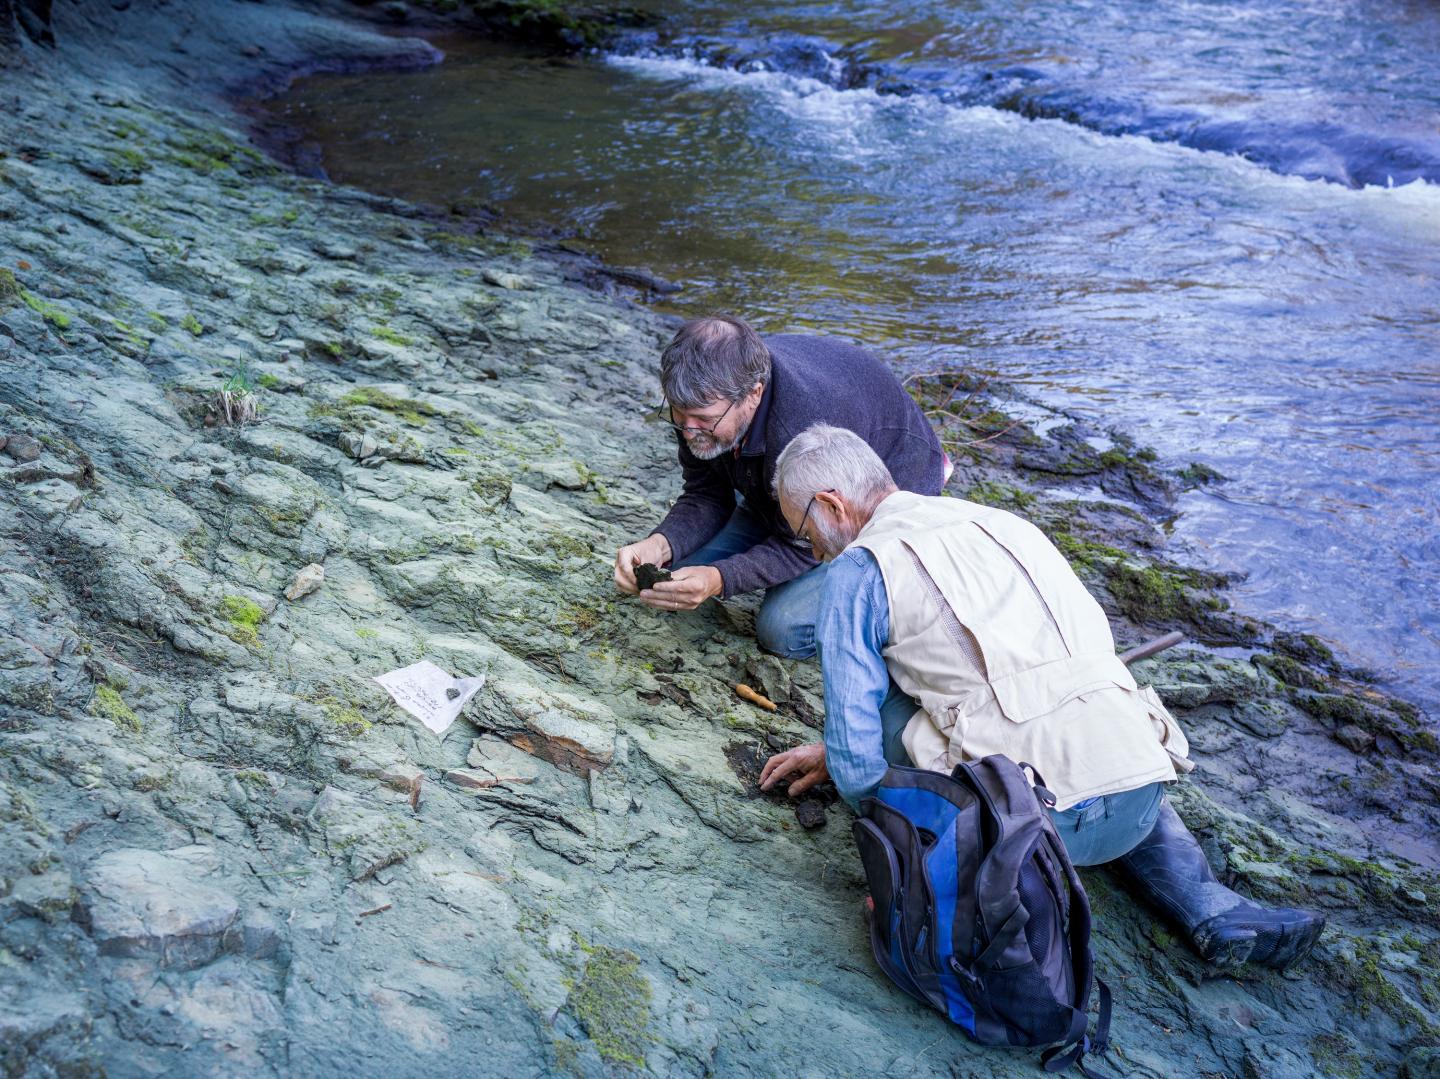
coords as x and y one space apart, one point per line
425 691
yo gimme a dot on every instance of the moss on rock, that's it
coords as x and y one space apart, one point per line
407 409
52 314
243 616
112 706
612 1002
344 716
1002 495
1148 595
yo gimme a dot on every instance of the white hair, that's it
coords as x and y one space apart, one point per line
825 458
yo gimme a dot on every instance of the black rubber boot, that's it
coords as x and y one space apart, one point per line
1169 870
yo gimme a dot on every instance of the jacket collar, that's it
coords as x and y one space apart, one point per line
753 445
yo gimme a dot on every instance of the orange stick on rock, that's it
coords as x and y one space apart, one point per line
750 695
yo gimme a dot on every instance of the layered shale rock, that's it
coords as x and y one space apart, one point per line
224 850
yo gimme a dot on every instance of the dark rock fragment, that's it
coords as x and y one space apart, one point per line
811 814
451 693
648 575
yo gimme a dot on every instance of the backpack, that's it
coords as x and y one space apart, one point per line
976 910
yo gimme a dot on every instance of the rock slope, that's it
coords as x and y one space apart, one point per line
223 850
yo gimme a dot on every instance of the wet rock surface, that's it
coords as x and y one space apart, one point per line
223 850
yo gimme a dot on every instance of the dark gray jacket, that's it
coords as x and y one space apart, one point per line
812 380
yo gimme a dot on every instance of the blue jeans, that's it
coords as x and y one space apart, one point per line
786 622
1101 829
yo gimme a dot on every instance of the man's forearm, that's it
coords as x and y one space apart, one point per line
856 778
768 563
692 522
851 633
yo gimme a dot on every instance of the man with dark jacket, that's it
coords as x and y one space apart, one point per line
736 400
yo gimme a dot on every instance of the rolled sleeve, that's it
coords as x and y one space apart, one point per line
851 632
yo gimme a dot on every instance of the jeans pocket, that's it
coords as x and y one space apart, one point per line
1147 819
1087 814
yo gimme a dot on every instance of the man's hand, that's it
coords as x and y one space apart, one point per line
686 590
653 549
807 760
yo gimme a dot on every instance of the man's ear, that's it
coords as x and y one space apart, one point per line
836 501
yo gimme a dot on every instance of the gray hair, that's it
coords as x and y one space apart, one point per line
825 458
711 359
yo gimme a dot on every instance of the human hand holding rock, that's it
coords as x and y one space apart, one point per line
685 590
653 549
807 762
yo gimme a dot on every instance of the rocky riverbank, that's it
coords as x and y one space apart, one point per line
223 849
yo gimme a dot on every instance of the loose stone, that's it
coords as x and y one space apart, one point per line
306 581
811 814
504 279
22 448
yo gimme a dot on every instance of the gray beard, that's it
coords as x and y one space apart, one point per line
834 541
716 449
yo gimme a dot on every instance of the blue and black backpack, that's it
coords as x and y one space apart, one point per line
976 909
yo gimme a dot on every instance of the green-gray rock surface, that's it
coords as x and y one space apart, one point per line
223 850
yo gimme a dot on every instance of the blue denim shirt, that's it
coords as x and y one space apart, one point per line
852 627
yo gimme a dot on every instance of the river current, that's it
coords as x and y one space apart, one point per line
1213 225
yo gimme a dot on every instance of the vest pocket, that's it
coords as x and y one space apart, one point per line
1030 694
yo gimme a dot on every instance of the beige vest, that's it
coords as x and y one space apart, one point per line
1007 652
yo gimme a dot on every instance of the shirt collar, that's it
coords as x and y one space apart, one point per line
753 445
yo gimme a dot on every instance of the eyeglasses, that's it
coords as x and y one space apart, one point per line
664 409
800 539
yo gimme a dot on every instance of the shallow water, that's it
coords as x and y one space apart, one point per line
1174 218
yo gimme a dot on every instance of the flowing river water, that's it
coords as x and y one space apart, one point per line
1213 225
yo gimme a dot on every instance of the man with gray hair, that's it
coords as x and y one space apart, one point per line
976 616
735 400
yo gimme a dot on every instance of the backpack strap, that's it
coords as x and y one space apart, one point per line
1062 1056
1014 813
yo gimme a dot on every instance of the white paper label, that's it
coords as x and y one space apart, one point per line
424 690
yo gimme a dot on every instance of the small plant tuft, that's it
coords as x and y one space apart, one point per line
235 399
